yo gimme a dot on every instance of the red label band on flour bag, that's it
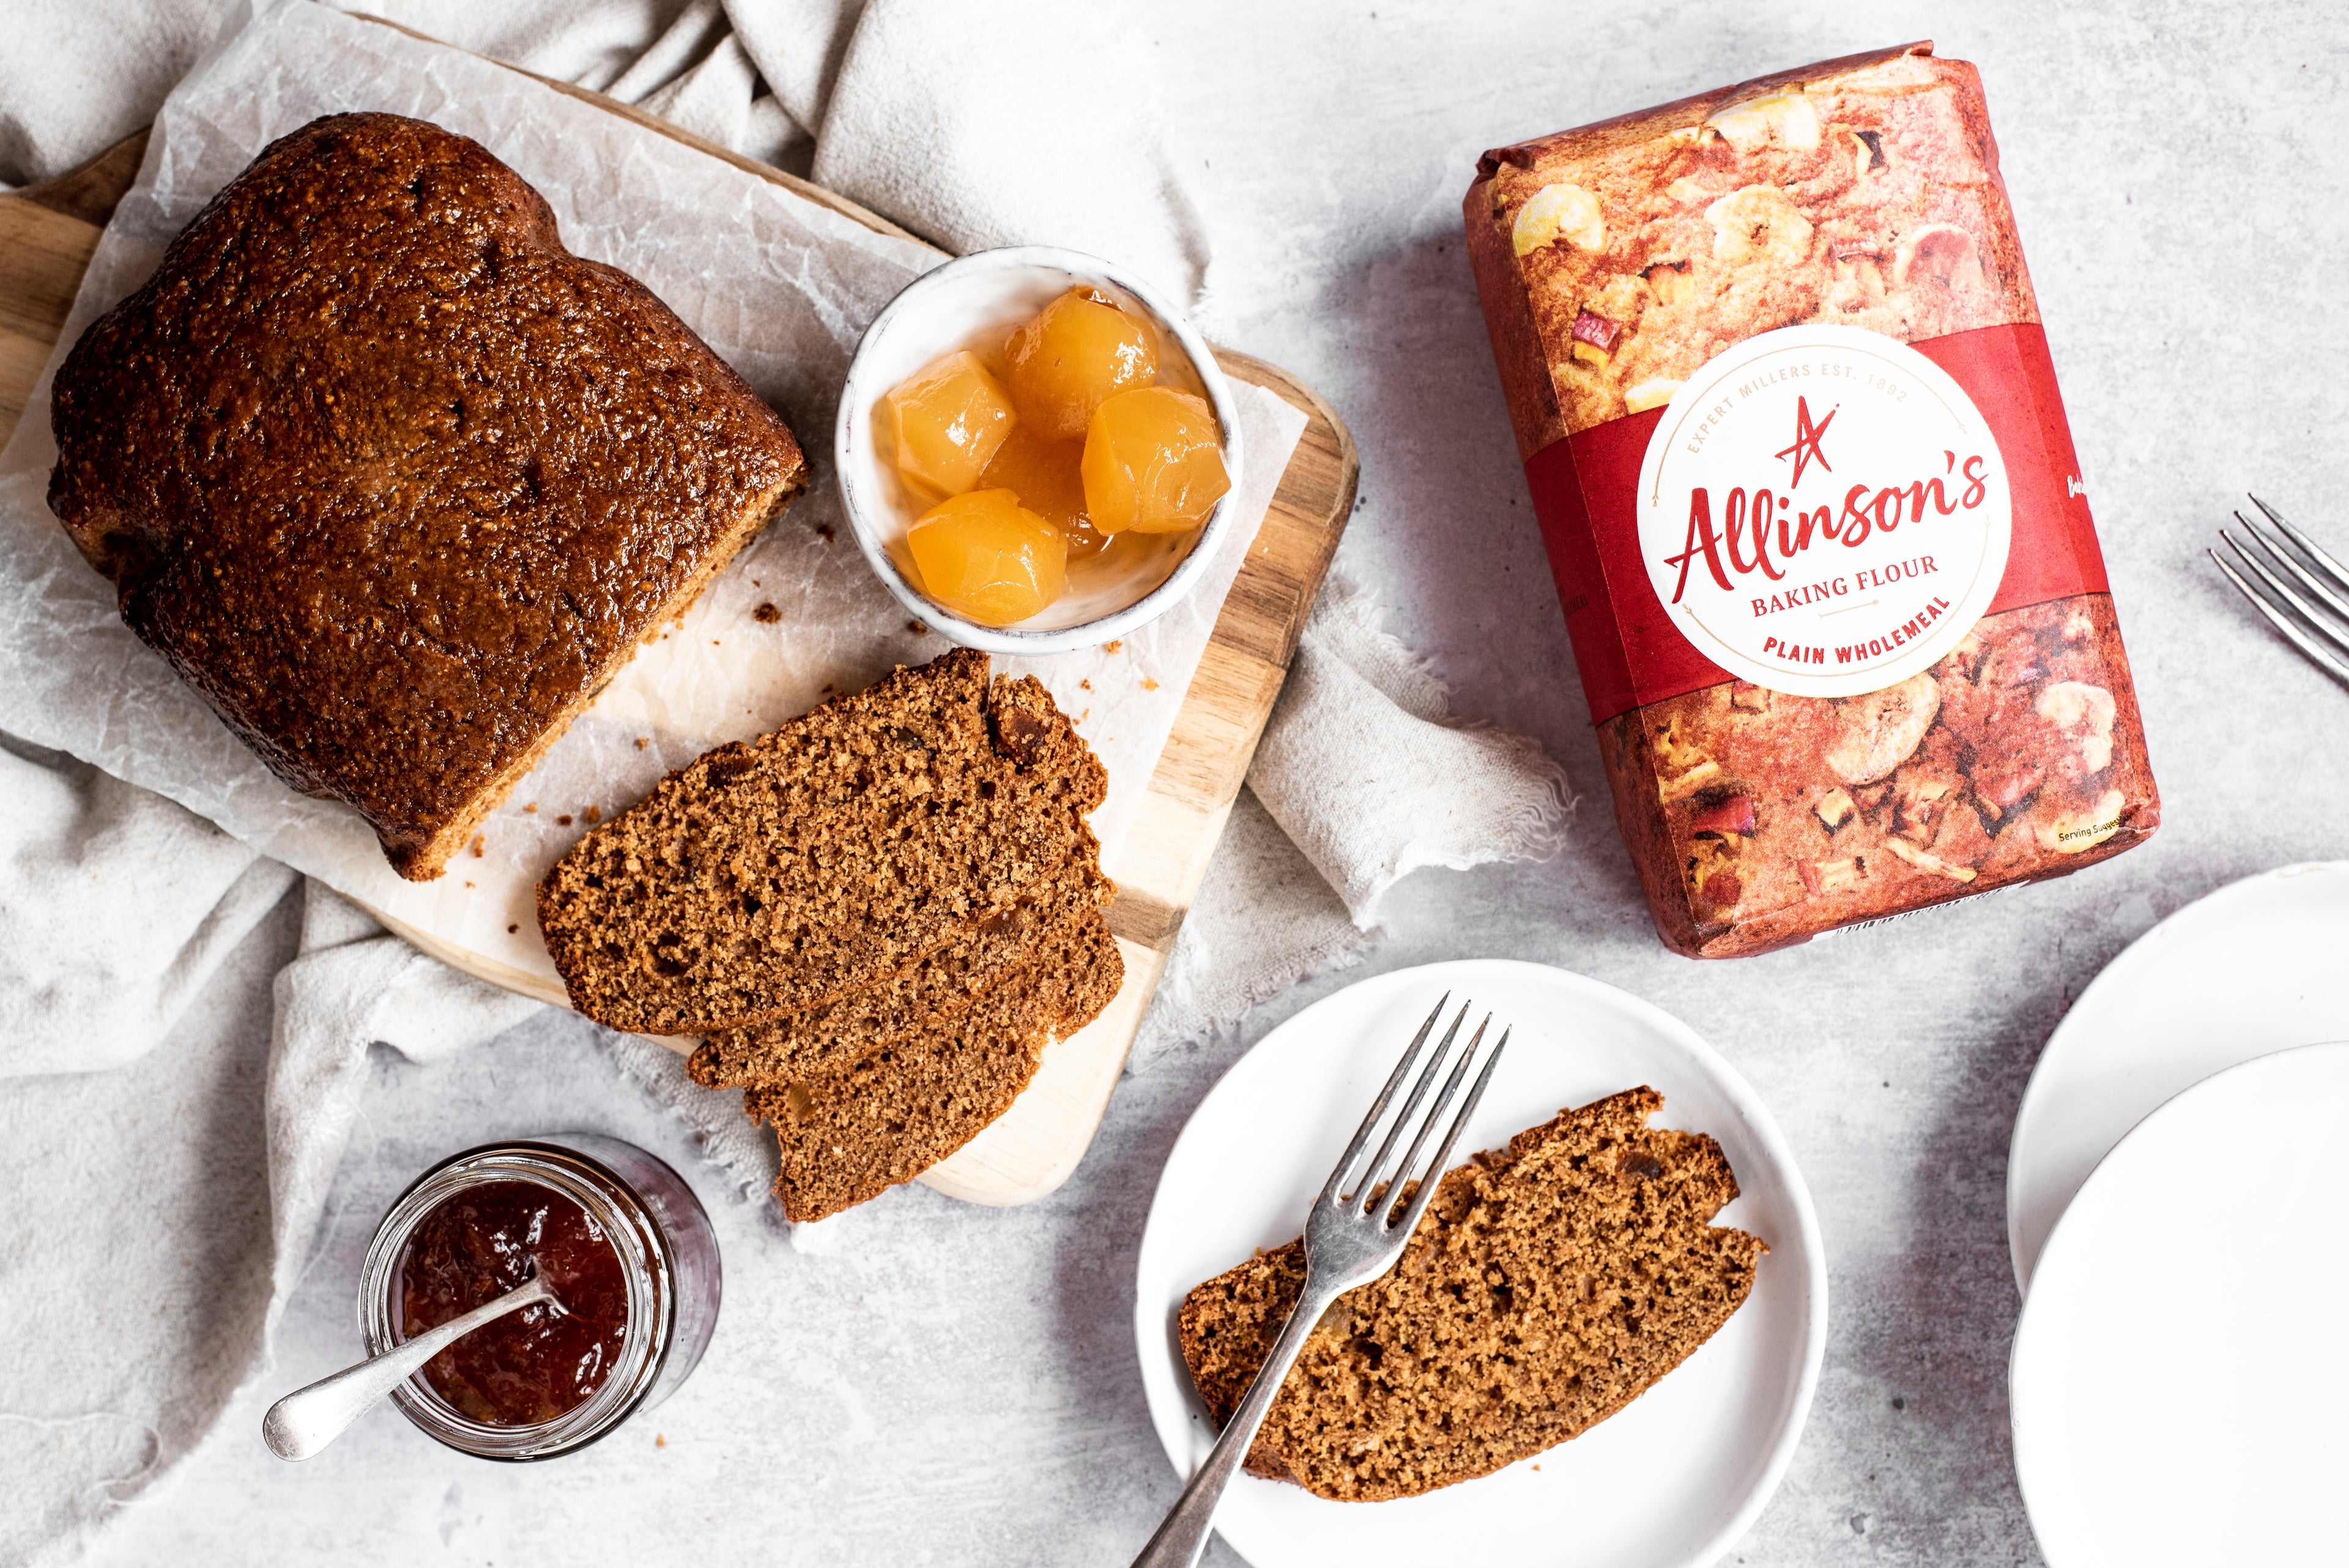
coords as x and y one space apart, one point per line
1800 463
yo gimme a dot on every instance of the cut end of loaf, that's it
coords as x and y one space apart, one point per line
426 860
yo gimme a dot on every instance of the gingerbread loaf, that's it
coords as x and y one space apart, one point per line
1549 1284
1793 434
393 479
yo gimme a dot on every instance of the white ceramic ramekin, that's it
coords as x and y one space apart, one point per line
946 309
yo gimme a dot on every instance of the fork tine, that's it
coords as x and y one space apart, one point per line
2315 552
1378 1106
2310 613
2283 558
1442 1160
1362 1181
1401 1173
2322 657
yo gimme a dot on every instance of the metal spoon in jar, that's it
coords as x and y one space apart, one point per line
304 1422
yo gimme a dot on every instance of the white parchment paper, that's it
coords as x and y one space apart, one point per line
780 287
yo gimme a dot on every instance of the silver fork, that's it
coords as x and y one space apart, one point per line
2319 605
1352 1237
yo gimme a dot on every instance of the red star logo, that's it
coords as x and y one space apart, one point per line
1806 448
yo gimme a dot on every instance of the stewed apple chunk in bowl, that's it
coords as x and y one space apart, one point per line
1035 452
1074 444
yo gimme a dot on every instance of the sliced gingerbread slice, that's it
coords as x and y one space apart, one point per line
775 875
849 1135
1549 1285
920 997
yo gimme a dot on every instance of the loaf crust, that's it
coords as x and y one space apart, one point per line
1549 1284
393 479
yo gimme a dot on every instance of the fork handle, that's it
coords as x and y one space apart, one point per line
1184 1536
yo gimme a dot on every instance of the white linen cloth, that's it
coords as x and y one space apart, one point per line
905 91
185 1050
1359 778
160 1213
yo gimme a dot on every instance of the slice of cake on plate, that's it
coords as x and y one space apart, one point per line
1550 1284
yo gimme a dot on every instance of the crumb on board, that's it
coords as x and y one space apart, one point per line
1086 684
643 741
564 820
477 845
660 1441
511 929
1111 646
824 529
1150 683
766 614
594 814
918 628
532 807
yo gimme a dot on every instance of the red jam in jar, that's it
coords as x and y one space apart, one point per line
623 1240
532 1366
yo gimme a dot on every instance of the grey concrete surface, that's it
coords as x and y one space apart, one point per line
959 1385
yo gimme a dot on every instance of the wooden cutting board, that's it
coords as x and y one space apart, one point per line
46 235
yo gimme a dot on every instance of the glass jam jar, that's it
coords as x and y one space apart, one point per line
669 1276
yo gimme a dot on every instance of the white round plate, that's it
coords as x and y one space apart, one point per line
2182 1362
2255 968
1674 1478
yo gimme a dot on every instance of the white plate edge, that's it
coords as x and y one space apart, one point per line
2266 1062
2248 886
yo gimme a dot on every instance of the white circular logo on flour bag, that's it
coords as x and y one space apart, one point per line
1824 511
